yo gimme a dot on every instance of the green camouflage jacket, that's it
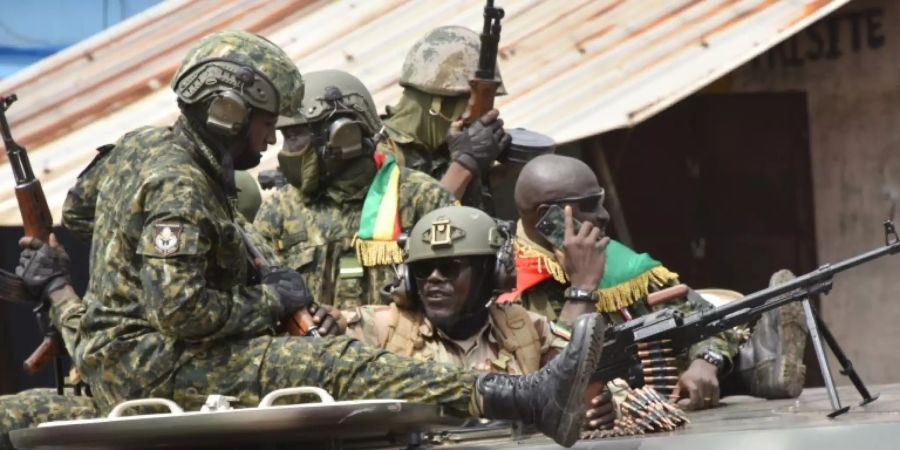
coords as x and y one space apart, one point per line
316 238
168 265
415 155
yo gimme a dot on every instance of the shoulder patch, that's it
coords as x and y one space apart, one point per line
167 238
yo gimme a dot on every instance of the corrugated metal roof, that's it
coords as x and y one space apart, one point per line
573 68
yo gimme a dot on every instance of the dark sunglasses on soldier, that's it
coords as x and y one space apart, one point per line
587 202
449 268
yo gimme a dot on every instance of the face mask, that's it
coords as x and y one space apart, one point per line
425 117
300 163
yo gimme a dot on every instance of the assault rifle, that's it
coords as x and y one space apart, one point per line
301 322
484 85
677 330
38 223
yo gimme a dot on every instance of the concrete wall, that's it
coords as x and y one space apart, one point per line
849 65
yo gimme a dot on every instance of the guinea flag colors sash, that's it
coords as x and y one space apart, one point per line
379 223
626 277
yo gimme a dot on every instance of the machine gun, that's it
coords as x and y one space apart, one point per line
674 329
38 223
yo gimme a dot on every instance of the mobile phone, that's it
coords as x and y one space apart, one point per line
552 226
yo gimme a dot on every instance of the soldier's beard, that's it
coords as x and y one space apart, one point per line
247 159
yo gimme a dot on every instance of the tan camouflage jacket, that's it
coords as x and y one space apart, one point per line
168 265
316 239
410 333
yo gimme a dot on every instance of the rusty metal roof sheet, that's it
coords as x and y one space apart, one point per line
573 68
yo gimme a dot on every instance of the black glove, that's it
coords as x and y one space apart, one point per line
43 268
290 288
479 145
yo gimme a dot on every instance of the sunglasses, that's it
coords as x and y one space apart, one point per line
587 202
449 268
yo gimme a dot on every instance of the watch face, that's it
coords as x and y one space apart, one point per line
573 293
713 358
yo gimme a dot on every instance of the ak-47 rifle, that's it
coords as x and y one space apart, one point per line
301 322
38 223
484 85
676 330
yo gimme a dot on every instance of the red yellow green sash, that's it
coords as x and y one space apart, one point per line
626 278
379 223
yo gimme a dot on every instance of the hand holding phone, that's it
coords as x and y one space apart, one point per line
580 246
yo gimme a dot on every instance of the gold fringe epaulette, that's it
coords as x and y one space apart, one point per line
624 294
377 253
546 261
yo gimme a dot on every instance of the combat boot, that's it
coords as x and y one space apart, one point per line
771 363
552 399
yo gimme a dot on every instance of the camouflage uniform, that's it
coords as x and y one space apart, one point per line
435 77
169 313
410 333
316 238
313 224
35 406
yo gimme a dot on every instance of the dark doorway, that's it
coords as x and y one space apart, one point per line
719 188
19 332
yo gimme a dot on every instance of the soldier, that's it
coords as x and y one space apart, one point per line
553 284
171 314
337 220
424 130
458 259
45 269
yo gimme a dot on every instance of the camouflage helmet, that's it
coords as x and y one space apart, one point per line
334 91
454 231
253 67
443 62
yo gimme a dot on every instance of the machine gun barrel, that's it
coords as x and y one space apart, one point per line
620 348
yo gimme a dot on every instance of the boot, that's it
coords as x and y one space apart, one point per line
771 363
552 399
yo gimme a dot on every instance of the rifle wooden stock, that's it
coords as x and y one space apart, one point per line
301 324
666 295
36 220
36 217
481 100
49 349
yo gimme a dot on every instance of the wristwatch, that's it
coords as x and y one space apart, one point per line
580 295
713 357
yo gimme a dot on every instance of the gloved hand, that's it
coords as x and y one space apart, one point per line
43 267
290 288
479 145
